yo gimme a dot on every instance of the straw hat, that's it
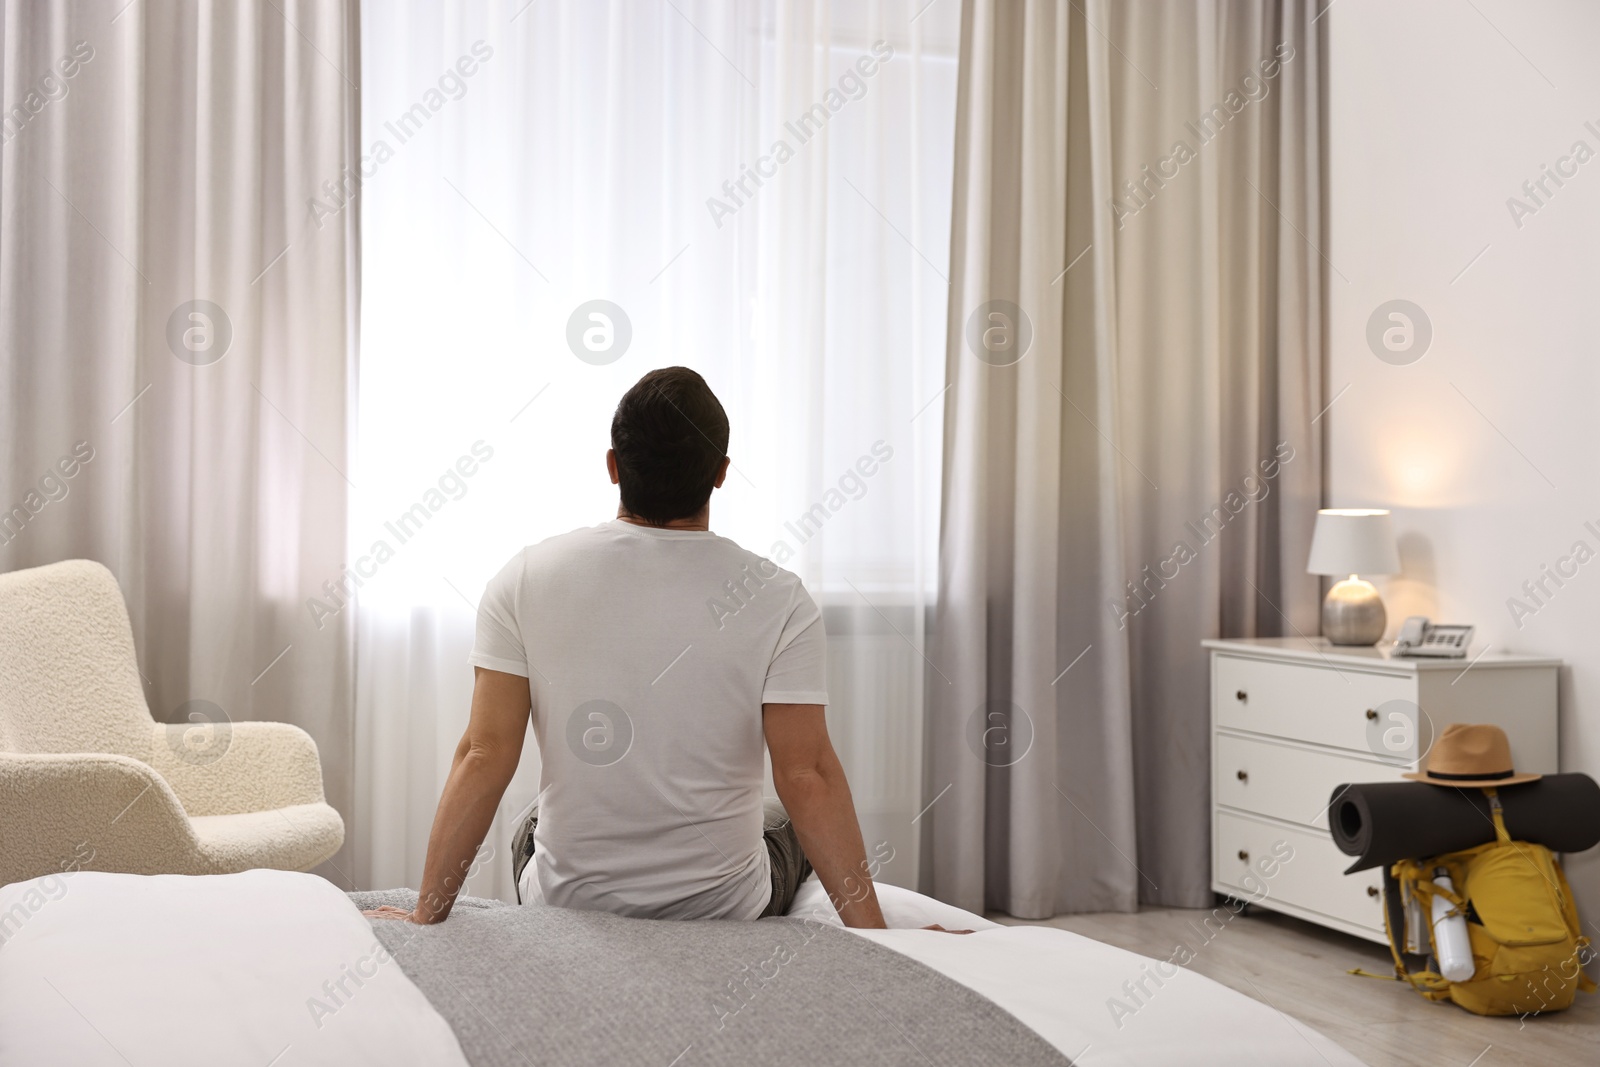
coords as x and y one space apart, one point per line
1466 756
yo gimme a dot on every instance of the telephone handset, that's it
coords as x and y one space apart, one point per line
1419 637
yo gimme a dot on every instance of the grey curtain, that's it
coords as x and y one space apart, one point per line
1132 459
177 330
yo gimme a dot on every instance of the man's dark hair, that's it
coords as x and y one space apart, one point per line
670 435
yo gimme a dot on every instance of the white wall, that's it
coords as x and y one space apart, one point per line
1486 447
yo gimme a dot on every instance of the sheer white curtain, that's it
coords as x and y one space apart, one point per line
759 191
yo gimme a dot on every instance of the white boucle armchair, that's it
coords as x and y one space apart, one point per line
90 781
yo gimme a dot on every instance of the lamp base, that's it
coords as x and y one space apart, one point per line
1353 613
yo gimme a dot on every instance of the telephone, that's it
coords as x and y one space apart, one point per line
1419 637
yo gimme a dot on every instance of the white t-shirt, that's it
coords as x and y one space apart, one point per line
649 653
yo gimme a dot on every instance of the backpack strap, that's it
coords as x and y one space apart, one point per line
1358 972
1585 983
1501 834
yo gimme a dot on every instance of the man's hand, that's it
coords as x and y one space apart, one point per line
932 926
388 911
812 786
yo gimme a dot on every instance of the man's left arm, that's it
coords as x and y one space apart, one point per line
484 762
812 787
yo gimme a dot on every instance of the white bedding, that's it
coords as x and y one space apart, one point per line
1062 985
120 969
246 968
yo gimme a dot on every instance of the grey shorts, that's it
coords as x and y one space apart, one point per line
789 864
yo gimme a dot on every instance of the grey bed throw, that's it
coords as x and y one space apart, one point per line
549 987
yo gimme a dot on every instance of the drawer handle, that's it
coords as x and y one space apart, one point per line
1372 714
1372 890
1241 696
1244 857
1244 776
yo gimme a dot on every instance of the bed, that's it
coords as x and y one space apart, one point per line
273 969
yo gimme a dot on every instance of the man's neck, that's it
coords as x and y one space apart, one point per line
700 520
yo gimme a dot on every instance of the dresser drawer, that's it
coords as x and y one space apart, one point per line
1323 705
1293 784
1311 877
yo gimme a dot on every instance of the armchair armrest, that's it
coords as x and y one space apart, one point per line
88 811
233 768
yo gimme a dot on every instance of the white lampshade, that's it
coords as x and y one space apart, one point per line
1353 541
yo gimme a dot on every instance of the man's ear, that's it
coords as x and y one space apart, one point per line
722 472
611 466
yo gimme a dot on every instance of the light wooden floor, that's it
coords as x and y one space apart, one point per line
1302 968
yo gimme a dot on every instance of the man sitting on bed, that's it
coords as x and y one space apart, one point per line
657 658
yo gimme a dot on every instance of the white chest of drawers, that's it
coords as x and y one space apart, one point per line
1291 719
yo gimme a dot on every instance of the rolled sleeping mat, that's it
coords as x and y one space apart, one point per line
1382 822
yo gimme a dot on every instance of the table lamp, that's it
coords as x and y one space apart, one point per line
1351 542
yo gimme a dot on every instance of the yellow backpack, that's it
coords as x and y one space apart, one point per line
1522 923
